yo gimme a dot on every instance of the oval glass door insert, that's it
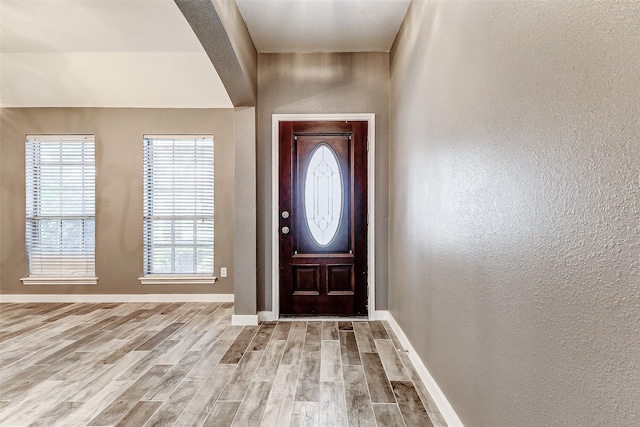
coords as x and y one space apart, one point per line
323 194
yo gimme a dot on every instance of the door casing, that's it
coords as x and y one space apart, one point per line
275 188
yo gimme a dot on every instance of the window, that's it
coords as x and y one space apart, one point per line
60 209
178 206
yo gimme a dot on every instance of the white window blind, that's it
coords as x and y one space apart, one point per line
178 205
60 205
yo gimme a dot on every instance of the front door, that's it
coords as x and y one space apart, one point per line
323 218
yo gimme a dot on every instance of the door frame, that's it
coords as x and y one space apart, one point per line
370 118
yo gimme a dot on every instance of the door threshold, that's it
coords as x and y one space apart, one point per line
285 318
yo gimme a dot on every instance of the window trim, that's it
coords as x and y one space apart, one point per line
178 279
56 280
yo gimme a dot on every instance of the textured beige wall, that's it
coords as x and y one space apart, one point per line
515 207
322 83
118 135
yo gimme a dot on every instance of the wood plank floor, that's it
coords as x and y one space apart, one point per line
184 364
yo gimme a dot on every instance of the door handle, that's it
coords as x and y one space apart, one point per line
285 230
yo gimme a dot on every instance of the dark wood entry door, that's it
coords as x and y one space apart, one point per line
323 218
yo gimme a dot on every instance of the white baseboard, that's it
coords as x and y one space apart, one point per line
438 396
380 315
116 297
244 319
266 316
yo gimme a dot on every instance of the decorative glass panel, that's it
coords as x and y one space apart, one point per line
323 195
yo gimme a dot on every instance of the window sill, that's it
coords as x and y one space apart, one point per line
59 281
178 279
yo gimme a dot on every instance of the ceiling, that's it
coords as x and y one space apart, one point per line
323 25
103 53
143 53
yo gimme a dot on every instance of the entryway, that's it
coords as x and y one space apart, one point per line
322 248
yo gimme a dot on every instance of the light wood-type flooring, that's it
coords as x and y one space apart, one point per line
184 364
